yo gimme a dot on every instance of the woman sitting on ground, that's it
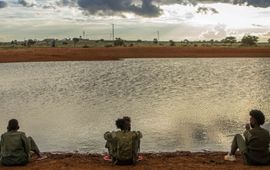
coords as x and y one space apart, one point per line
15 146
123 145
254 147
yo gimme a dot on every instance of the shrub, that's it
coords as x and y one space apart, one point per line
229 39
119 42
75 41
155 41
108 45
172 43
249 40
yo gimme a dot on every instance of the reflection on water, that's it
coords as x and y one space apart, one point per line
178 104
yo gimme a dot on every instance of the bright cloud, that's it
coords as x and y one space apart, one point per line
39 19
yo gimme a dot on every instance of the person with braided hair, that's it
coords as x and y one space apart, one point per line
254 147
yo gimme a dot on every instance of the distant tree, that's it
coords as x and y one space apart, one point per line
75 41
269 40
211 41
101 40
249 40
53 43
155 41
139 41
229 39
30 42
47 41
118 42
186 41
65 43
172 43
14 42
108 45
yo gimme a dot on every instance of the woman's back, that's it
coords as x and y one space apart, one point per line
14 148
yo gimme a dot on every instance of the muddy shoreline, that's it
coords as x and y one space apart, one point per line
152 161
118 53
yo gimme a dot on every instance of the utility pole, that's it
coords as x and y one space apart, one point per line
113 32
158 36
84 36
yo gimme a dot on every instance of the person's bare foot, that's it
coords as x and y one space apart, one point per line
140 158
107 157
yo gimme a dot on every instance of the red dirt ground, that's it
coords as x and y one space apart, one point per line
89 54
158 161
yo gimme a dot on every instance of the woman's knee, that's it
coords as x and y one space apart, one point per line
238 136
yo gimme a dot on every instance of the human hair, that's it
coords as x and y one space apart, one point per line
13 125
258 116
127 122
120 124
127 118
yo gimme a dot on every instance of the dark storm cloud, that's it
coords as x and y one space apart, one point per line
146 8
25 3
206 10
66 2
3 4
255 3
48 7
104 7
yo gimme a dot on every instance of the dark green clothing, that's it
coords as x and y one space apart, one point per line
257 140
15 148
113 137
255 146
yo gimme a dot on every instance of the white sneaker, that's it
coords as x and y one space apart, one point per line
229 158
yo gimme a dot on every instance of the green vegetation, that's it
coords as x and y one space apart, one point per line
119 42
230 41
249 40
172 43
155 41
75 41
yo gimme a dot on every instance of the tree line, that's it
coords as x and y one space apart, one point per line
247 40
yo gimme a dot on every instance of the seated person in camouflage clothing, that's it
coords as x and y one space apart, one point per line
15 147
123 145
255 147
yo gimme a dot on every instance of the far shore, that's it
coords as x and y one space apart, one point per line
118 53
151 161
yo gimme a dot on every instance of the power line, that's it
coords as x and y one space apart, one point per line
113 32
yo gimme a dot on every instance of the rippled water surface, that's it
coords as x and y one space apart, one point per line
178 104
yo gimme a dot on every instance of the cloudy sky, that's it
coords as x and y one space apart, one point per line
134 19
